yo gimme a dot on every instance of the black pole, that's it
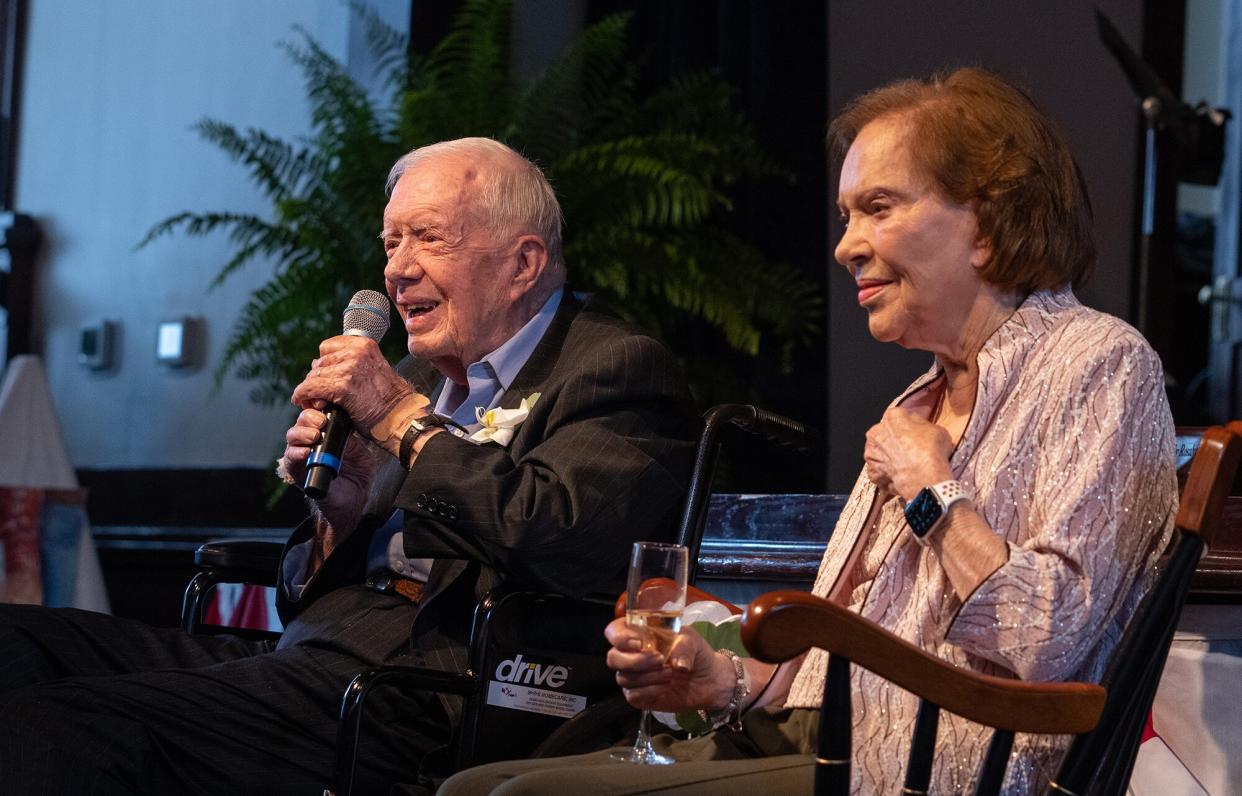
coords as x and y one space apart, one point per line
21 239
12 57
19 234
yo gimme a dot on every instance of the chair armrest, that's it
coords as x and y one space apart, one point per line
693 595
241 560
413 677
228 561
782 625
349 731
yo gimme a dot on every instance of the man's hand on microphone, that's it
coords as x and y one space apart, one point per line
352 373
341 509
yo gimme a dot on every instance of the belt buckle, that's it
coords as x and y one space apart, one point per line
380 582
387 583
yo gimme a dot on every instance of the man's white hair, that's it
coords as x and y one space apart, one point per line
514 196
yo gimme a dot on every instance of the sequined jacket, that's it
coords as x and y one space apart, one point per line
1070 453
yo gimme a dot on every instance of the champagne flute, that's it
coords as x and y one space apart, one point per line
655 597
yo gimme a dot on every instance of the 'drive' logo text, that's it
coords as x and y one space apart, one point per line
530 673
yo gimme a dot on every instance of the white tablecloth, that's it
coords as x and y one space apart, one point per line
1198 710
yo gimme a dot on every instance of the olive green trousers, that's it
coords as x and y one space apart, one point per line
772 754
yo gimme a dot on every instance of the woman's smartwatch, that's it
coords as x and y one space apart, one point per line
929 507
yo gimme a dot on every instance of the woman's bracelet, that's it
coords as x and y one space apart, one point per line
731 715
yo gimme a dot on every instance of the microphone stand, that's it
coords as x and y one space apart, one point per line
1198 132
1147 227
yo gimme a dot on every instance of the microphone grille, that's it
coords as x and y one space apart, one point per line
367 314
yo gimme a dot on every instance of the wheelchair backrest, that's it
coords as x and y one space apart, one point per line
541 661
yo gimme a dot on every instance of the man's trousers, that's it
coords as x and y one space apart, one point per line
92 704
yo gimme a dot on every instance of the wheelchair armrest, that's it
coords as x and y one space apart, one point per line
779 626
761 423
228 561
693 595
414 677
349 731
240 560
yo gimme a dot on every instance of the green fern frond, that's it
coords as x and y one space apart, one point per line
278 330
340 108
388 46
550 112
276 166
255 237
197 225
471 64
644 182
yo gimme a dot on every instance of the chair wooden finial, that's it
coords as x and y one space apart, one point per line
1203 497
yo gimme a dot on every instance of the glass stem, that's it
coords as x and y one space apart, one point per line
643 741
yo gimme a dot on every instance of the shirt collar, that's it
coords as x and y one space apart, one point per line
508 359
487 379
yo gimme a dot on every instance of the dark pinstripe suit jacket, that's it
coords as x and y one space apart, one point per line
602 461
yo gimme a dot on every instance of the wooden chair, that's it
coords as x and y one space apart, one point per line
1106 718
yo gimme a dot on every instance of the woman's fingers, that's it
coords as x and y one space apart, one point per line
659 678
639 661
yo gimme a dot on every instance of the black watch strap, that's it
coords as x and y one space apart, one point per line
418 427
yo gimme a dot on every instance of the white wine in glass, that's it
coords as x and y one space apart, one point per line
660 627
654 599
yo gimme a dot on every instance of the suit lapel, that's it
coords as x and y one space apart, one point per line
533 375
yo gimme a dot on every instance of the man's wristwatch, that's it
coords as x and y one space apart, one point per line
930 505
418 427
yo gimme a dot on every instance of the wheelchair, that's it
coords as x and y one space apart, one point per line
536 660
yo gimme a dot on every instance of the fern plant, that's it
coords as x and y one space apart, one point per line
644 183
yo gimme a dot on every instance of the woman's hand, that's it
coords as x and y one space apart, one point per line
905 453
695 677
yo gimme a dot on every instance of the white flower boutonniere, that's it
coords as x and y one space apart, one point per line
499 425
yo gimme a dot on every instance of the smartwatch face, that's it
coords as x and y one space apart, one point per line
922 512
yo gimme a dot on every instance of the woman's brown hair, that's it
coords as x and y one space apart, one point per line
984 141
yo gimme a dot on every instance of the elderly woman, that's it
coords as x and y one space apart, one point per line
1013 498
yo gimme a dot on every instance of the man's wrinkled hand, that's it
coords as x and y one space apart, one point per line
342 506
351 372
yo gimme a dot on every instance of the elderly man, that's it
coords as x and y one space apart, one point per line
427 514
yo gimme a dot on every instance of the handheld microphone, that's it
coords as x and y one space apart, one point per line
366 316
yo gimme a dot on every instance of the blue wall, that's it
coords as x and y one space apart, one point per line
105 151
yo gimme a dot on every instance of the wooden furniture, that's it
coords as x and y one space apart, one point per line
1105 757
782 625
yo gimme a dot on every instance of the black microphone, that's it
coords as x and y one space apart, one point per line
366 316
